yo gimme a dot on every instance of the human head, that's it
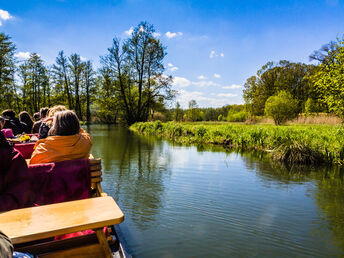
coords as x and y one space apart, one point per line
2 122
36 116
55 109
43 112
65 123
25 117
9 113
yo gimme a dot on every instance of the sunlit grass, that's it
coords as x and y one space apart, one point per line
300 143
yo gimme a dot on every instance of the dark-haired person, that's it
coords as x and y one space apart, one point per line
13 123
43 113
25 118
65 141
14 178
46 123
36 117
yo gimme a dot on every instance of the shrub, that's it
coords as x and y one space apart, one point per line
237 117
220 117
281 107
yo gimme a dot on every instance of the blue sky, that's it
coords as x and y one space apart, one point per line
213 46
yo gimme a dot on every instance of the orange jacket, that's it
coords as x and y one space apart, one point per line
61 148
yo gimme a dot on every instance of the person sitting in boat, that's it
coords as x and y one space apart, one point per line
13 123
24 117
15 181
42 114
65 141
6 247
47 122
36 117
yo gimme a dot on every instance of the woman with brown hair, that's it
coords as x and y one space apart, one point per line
65 141
25 118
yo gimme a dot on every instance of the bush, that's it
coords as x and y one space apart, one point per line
237 117
281 107
220 117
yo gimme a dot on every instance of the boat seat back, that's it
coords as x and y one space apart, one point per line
65 181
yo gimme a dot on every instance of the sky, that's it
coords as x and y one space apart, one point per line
212 46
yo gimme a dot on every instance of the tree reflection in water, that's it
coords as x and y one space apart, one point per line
137 167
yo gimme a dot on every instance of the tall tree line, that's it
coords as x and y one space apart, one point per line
128 86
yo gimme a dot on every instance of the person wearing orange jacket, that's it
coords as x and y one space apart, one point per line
65 141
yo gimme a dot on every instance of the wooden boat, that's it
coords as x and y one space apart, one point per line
34 230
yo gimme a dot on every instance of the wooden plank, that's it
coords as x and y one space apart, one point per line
103 243
89 251
30 224
96 174
95 161
96 179
95 168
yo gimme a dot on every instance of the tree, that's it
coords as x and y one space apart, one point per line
8 96
281 107
89 82
178 113
76 67
273 78
35 84
329 81
136 69
62 79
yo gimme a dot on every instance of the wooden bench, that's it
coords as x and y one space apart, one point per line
27 225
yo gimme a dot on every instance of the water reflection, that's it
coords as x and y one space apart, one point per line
134 167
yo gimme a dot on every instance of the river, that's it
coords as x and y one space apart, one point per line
188 201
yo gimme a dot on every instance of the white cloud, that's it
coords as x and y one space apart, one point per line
156 34
173 34
227 95
130 31
201 77
203 99
205 83
142 29
172 68
216 75
214 54
233 86
5 15
84 59
180 82
22 55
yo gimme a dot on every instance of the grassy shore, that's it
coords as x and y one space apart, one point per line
293 144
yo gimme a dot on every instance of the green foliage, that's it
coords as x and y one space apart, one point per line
299 144
281 107
329 80
273 78
237 117
8 96
136 69
220 117
178 113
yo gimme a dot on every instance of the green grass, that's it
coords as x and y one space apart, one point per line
293 144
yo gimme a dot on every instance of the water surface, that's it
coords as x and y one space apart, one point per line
187 201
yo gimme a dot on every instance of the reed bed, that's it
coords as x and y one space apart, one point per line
293 144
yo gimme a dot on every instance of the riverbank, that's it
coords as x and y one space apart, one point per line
293 144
